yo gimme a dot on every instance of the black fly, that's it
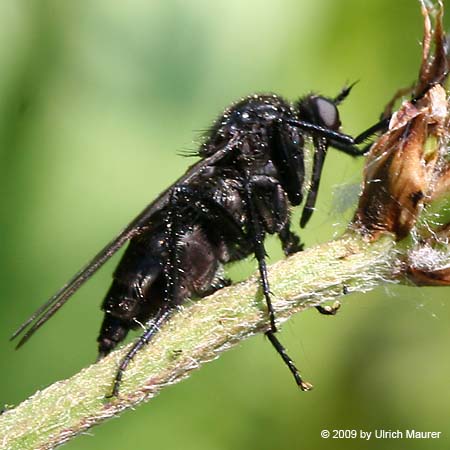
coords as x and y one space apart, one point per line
251 171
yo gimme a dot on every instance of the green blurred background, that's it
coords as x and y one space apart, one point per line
97 99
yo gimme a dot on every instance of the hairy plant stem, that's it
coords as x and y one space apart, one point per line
197 334
407 179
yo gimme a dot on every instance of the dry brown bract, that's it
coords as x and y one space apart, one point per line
404 166
408 166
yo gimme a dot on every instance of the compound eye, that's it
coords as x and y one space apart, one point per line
327 113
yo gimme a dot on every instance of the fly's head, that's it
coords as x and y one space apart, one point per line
320 111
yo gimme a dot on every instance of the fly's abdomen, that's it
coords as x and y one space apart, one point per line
139 291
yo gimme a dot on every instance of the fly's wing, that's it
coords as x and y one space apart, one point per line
141 223
43 313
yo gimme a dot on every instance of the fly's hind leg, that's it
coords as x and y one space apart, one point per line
171 272
182 198
162 316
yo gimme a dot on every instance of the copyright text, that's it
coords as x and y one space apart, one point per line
367 435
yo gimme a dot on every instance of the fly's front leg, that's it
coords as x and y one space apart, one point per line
257 234
341 141
380 126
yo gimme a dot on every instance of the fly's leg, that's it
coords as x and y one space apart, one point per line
341 141
257 235
329 310
290 242
182 198
171 272
161 317
219 284
304 385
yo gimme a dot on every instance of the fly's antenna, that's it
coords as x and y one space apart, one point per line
344 93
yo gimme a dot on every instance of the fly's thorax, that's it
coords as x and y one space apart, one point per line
248 120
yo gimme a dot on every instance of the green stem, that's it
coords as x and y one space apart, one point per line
197 334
